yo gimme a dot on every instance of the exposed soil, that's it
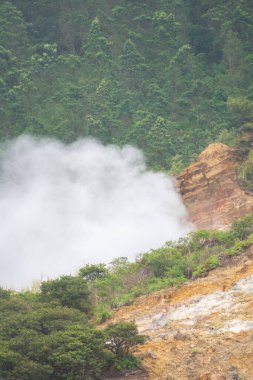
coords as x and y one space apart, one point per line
202 331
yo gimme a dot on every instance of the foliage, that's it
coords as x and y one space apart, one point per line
177 165
171 265
92 271
168 77
227 137
121 337
44 341
242 228
209 264
51 334
68 291
241 106
245 172
240 246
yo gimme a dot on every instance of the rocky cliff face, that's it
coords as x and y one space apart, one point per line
211 191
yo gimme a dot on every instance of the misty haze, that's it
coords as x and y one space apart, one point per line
63 206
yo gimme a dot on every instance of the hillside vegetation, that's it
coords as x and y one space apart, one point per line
168 77
52 334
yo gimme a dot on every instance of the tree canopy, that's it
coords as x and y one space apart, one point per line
171 75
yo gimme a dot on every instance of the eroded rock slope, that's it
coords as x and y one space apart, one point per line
201 331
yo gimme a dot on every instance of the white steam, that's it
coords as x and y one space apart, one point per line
63 206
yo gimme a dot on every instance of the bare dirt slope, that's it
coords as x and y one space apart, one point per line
203 330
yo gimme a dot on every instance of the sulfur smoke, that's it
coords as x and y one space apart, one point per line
63 206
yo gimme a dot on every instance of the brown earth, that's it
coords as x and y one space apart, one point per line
201 331
211 191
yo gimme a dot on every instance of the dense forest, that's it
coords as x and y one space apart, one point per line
167 76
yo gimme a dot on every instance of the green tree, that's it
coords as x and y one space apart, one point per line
46 54
159 143
132 63
139 131
242 228
97 49
96 128
78 354
68 291
93 271
166 26
121 337
177 165
13 29
233 61
241 107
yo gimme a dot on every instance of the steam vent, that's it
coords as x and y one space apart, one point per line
211 190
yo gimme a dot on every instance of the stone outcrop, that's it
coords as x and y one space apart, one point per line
211 191
200 331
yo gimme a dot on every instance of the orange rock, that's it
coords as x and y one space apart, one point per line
209 349
211 191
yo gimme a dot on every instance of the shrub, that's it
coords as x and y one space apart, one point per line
93 271
69 291
209 264
240 246
242 228
224 238
212 262
121 337
246 172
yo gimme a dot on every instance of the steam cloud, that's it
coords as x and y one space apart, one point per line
63 206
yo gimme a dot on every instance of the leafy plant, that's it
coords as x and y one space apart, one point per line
121 337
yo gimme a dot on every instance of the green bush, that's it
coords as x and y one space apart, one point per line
224 238
69 291
242 228
212 262
199 271
245 172
126 362
45 341
240 246
121 337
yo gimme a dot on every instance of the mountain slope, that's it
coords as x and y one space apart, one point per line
167 76
201 331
